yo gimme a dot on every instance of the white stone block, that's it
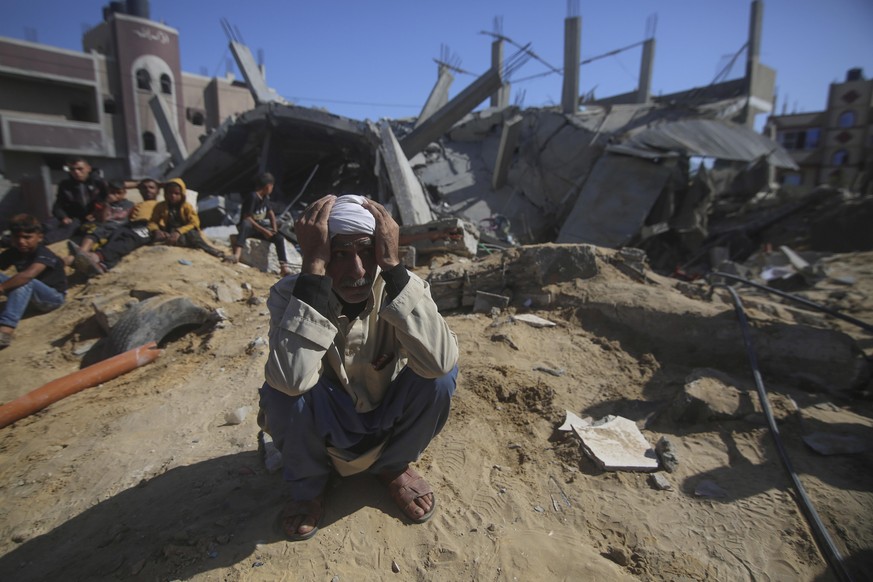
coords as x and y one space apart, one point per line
261 254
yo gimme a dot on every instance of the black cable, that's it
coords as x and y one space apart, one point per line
825 543
865 326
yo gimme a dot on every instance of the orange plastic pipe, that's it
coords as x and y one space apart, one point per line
98 373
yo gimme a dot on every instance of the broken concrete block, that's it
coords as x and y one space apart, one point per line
616 444
227 294
407 256
485 301
261 254
660 482
211 211
450 235
667 454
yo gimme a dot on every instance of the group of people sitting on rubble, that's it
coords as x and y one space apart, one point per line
101 226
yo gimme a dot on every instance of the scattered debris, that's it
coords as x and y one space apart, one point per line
486 302
256 343
553 371
237 416
667 454
660 482
505 338
533 320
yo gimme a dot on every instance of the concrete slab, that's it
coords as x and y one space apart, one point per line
616 444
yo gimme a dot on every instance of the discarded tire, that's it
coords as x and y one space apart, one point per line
153 320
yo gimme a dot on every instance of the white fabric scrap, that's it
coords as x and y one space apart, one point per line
616 444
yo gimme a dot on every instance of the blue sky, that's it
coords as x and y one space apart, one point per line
374 59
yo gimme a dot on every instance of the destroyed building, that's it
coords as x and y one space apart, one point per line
627 170
612 172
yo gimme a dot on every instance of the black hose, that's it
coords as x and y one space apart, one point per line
865 326
825 543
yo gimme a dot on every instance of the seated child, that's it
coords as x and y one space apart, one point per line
39 281
257 220
175 221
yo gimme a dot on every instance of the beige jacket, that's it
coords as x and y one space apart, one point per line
407 331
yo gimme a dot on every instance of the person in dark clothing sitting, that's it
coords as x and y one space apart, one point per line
258 220
78 199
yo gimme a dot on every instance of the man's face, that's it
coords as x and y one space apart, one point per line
268 189
148 190
79 171
26 242
352 266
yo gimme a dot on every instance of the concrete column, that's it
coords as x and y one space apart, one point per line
438 97
254 78
443 120
572 57
753 56
498 99
647 64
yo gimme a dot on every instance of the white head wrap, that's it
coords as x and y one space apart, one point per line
348 216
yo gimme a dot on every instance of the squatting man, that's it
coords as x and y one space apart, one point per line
362 367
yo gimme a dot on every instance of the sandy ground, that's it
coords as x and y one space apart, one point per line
142 477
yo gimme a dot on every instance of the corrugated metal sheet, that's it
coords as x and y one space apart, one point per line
706 137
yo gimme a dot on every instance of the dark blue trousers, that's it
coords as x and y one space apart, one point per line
413 411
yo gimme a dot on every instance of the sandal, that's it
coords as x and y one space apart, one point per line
301 514
405 488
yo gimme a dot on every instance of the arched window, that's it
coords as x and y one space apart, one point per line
840 158
166 84
847 119
149 143
143 80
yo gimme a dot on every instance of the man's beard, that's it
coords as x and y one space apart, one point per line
362 282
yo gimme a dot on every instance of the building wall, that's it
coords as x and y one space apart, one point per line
55 103
834 146
208 102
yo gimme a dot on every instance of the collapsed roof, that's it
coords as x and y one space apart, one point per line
302 147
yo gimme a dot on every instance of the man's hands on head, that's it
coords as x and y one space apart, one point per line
387 235
313 235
